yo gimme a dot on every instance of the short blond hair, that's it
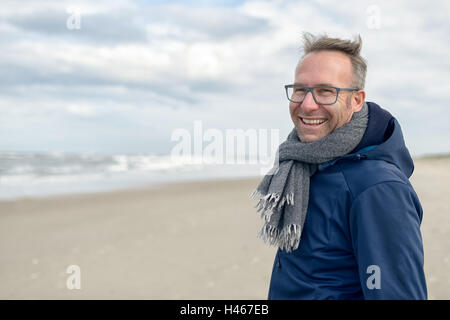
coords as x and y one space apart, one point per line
350 48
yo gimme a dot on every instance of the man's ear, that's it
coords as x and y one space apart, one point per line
358 98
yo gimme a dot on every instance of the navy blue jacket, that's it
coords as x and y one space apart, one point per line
361 238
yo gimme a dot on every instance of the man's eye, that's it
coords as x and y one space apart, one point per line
322 90
299 90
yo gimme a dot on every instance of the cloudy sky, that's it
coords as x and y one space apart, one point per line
121 76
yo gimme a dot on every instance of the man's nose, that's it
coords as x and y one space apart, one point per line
309 104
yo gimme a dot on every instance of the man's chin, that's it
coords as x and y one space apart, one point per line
308 137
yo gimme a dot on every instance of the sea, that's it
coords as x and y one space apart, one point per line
44 174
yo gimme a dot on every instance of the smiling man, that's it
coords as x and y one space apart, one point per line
327 69
340 207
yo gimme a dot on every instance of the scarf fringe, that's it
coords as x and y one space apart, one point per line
267 203
287 239
271 200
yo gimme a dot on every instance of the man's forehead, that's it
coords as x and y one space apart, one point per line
324 67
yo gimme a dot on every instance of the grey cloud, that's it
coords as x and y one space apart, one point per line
130 25
104 28
16 76
208 22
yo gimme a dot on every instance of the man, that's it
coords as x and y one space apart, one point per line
339 205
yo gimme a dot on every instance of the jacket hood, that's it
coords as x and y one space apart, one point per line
382 140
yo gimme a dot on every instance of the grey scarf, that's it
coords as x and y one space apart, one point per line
283 196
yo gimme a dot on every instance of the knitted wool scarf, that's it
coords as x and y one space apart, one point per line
283 193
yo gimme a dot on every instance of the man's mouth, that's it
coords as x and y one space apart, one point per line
312 122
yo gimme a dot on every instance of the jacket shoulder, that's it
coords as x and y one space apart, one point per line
364 174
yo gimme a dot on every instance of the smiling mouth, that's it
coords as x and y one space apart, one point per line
312 122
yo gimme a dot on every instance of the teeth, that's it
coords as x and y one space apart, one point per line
312 121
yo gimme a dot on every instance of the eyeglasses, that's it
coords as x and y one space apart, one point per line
321 94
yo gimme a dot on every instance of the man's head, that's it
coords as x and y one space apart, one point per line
332 62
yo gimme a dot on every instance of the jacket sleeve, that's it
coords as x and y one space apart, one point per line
385 231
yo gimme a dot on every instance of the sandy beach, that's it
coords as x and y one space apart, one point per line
192 240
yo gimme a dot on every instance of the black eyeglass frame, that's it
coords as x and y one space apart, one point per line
310 89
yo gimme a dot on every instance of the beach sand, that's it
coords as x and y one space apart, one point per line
178 241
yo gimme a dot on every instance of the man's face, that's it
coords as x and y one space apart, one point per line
324 68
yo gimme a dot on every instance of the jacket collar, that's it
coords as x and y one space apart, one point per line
382 140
